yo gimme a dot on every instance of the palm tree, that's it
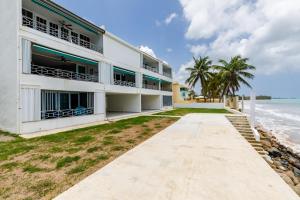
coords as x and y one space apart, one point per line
200 72
234 73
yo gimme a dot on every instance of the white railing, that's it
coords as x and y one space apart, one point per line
153 69
124 83
51 114
29 22
167 74
59 73
166 89
152 87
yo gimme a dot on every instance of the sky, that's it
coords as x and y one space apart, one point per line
265 31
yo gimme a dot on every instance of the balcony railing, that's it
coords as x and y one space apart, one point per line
124 83
152 87
153 69
56 32
166 89
51 114
59 73
167 74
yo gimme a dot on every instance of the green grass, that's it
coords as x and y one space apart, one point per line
65 161
42 187
10 165
184 111
31 169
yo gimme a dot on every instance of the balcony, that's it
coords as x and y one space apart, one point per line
124 83
124 77
57 64
59 73
61 104
167 74
60 32
150 86
150 68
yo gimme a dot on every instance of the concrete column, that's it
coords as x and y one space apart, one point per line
160 68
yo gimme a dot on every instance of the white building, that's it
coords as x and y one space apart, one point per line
59 70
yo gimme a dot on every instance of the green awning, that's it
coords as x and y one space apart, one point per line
43 49
151 78
62 14
163 81
123 71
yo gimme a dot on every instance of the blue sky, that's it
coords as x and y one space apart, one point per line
242 27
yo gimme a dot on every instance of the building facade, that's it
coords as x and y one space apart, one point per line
59 70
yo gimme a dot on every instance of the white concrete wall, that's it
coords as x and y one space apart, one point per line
123 102
120 53
200 105
151 102
31 127
9 67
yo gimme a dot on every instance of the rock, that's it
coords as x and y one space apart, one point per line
266 143
296 171
277 163
274 152
297 189
292 160
297 164
282 168
268 159
287 179
293 177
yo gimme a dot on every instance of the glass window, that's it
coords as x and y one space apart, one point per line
83 100
74 100
84 41
64 34
74 37
53 29
41 24
64 101
27 18
81 69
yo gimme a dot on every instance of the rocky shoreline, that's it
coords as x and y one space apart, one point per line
282 159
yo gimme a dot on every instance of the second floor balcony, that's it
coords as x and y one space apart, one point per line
123 77
56 64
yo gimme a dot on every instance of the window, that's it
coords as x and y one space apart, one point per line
64 101
74 37
27 18
64 34
41 24
117 77
84 41
53 29
81 69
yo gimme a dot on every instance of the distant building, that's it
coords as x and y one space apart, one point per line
59 70
180 93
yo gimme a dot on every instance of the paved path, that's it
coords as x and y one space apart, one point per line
201 157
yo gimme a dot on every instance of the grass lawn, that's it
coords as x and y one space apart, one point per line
41 168
184 111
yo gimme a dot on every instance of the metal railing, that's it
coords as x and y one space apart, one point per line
31 23
59 73
152 87
166 89
167 74
124 83
51 114
153 69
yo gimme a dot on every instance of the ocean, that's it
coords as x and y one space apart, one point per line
282 117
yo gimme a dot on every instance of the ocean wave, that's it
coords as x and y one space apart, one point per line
278 113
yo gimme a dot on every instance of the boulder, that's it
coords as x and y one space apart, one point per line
287 179
293 177
274 152
292 160
266 143
296 171
268 159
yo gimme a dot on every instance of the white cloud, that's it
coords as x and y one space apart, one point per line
169 50
170 18
181 75
147 50
266 31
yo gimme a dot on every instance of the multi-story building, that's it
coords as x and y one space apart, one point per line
59 70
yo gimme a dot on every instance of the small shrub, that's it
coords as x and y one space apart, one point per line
31 169
77 169
117 148
43 187
67 160
130 141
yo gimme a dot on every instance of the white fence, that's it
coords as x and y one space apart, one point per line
200 105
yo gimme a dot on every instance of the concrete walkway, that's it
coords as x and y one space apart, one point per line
201 157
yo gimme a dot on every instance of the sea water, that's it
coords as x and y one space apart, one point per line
282 117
